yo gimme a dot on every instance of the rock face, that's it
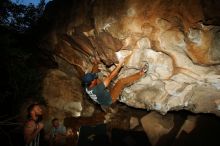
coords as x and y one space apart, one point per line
156 126
62 94
179 39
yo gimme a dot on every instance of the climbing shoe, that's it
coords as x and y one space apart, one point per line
145 67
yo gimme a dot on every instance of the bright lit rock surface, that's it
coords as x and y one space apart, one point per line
179 39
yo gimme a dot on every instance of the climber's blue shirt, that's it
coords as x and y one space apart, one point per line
100 94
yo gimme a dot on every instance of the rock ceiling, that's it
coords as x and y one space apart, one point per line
179 39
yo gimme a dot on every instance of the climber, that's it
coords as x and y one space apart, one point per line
97 90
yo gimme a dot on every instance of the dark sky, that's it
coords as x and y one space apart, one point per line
26 2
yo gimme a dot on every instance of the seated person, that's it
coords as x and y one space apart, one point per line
57 134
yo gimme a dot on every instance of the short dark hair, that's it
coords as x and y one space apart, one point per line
30 108
54 119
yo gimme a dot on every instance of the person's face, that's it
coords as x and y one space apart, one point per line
56 123
38 110
94 82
